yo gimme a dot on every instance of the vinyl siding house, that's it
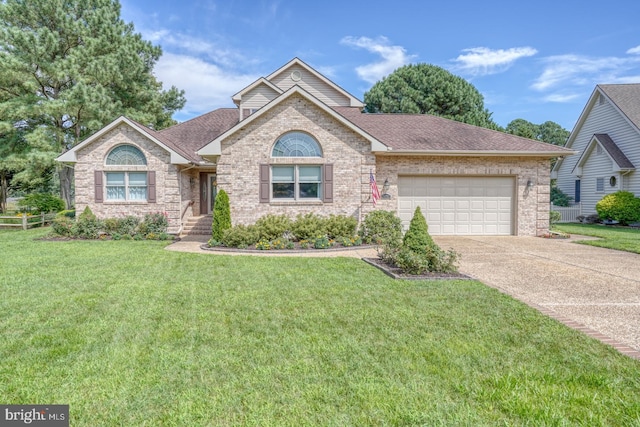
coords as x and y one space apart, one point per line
607 140
297 143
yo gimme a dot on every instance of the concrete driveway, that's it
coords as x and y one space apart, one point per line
592 289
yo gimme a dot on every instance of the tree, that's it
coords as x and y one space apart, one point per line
428 89
221 216
549 132
417 237
69 67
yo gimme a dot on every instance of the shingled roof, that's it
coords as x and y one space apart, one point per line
614 151
423 133
627 98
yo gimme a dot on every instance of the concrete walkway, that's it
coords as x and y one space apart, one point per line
594 290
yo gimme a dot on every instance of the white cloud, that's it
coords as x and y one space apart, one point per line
562 98
392 57
634 50
207 86
483 61
572 70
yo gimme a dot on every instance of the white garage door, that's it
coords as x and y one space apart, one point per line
456 205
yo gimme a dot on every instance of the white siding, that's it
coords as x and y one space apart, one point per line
603 118
596 166
312 84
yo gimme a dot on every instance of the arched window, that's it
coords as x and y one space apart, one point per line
296 144
126 155
297 182
123 184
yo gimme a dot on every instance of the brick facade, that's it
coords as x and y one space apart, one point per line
178 187
168 179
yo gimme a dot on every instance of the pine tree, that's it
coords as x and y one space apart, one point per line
221 216
417 237
69 67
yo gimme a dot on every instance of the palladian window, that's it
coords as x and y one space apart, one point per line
126 183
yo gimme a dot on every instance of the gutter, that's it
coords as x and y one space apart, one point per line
479 153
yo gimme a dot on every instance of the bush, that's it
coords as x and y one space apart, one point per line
382 227
129 224
155 223
341 226
554 217
240 236
221 215
271 227
309 226
87 214
69 213
417 237
621 206
62 226
559 198
41 203
87 227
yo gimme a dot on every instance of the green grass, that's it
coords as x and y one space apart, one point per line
620 238
128 334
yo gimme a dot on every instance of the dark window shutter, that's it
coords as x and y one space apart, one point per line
98 186
264 184
151 186
577 191
245 113
327 191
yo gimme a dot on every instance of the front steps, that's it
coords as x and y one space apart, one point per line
198 226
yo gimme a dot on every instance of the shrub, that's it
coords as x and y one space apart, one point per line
240 236
559 198
417 237
322 242
221 215
129 224
272 226
309 226
87 227
554 217
41 203
341 226
69 213
621 206
382 228
86 214
152 223
263 245
62 226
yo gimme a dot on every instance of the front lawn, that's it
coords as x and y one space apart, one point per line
620 238
127 333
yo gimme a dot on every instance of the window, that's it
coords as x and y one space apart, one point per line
125 186
126 155
296 182
296 144
126 181
599 184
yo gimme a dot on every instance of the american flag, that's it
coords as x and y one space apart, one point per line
375 193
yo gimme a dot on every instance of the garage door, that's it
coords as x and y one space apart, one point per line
456 205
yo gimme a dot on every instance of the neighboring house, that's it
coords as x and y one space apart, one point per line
298 143
607 139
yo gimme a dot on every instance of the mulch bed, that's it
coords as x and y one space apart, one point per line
296 249
397 273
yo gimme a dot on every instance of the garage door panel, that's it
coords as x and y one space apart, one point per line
459 205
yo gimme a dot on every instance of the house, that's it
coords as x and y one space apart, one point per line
296 143
607 140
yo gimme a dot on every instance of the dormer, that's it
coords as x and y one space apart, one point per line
255 96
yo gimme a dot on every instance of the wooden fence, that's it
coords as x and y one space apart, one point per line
26 221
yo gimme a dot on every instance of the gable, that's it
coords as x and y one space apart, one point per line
177 156
603 151
296 72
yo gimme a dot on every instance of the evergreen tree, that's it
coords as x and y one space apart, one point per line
221 216
69 67
428 89
417 237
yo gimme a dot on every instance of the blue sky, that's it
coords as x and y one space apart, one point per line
533 60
